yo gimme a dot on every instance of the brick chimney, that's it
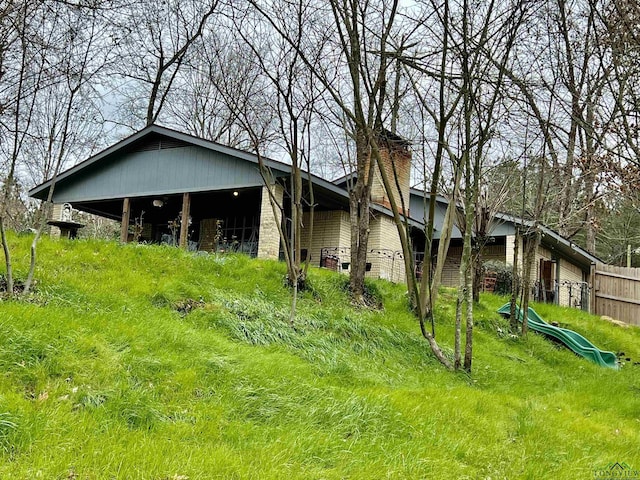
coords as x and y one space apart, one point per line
395 154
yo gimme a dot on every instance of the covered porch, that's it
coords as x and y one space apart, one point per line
225 220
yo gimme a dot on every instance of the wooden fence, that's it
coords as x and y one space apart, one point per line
616 293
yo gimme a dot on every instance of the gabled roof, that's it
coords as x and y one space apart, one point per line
279 168
343 179
550 238
420 193
122 145
337 193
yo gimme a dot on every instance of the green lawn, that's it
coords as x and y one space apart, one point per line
140 362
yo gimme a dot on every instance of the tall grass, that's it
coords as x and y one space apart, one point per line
141 362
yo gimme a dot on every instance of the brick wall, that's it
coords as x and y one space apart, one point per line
509 253
384 234
541 253
562 269
451 271
388 262
400 158
568 272
569 297
268 236
330 229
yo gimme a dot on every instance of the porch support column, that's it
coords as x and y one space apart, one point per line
268 236
124 226
184 224
510 244
56 214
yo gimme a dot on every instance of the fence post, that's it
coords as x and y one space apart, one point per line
592 289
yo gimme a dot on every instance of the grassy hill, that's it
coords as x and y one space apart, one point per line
140 362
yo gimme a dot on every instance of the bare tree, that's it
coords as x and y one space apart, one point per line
55 54
295 96
470 43
565 83
355 38
25 73
196 105
82 57
154 43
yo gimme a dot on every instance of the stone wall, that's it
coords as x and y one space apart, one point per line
56 212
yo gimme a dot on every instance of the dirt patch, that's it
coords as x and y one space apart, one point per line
619 323
18 286
184 307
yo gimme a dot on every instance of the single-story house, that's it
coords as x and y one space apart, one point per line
155 178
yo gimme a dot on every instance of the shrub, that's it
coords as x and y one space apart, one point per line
504 275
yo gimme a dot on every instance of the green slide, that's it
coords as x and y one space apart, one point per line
571 339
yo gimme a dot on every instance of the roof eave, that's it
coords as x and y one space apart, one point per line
587 257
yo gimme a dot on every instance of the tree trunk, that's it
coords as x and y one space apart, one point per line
591 221
515 284
445 241
529 258
5 245
409 272
476 261
359 205
457 339
7 257
465 290
468 350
